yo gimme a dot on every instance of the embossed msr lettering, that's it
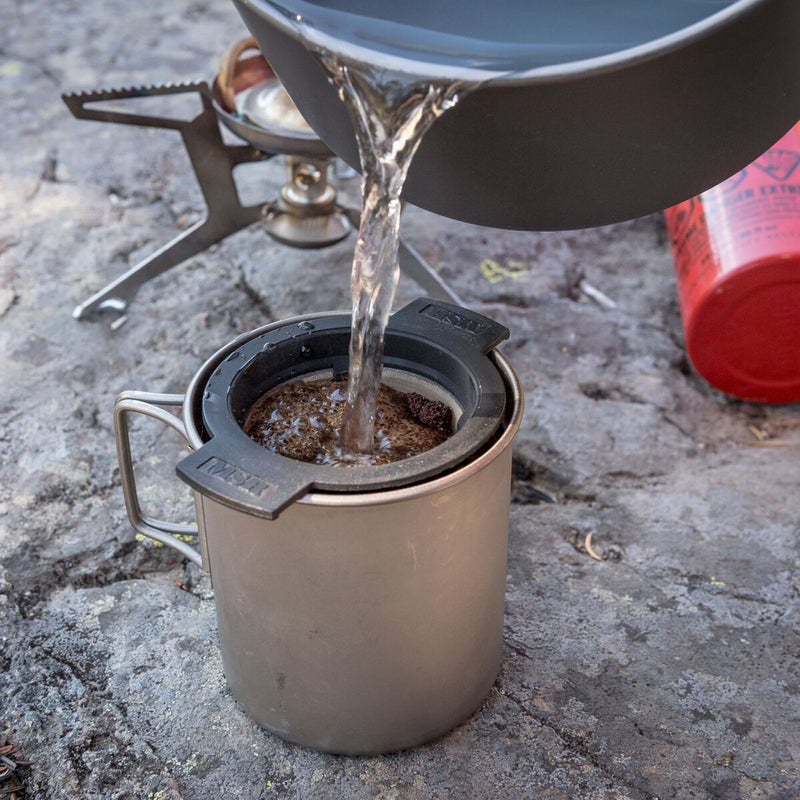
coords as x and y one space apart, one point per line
455 319
234 475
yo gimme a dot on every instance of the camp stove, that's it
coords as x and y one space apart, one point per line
249 101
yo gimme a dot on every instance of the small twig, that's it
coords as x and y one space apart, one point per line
595 294
118 322
759 433
588 545
12 785
773 443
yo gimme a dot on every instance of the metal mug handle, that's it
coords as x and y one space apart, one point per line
237 74
152 405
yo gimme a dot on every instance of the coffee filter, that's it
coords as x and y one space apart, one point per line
405 382
434 348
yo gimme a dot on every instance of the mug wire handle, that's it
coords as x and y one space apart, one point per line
152 405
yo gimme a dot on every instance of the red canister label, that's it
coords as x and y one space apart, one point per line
737 261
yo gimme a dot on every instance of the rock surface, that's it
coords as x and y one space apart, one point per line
666 668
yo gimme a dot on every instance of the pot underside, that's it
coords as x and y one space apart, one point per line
630 127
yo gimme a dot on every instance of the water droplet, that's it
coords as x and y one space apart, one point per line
235 355
306 325
269 346
305 350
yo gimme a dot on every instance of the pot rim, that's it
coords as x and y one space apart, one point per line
509 426
631 56
618 59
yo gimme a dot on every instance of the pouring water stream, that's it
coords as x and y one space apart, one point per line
391 118
391 108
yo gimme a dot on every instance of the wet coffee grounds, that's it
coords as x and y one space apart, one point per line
433 413
302 420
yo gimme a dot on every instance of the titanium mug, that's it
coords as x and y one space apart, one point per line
351 621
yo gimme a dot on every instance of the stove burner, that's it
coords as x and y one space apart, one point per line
306 213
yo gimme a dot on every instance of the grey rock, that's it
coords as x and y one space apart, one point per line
666 669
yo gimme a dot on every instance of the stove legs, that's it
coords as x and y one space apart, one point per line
213 162
118 294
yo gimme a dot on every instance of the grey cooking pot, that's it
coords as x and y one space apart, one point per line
620 107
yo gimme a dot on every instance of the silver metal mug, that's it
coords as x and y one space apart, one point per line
352 622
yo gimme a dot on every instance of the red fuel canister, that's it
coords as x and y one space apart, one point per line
736 249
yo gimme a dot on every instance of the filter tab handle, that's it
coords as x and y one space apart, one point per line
441 321
263 489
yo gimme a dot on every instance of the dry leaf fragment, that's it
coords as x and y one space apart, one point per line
588 545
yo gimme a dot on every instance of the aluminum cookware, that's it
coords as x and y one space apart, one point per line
615 108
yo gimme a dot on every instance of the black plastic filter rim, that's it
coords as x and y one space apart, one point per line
431 340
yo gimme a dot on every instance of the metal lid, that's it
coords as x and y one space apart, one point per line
430 341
